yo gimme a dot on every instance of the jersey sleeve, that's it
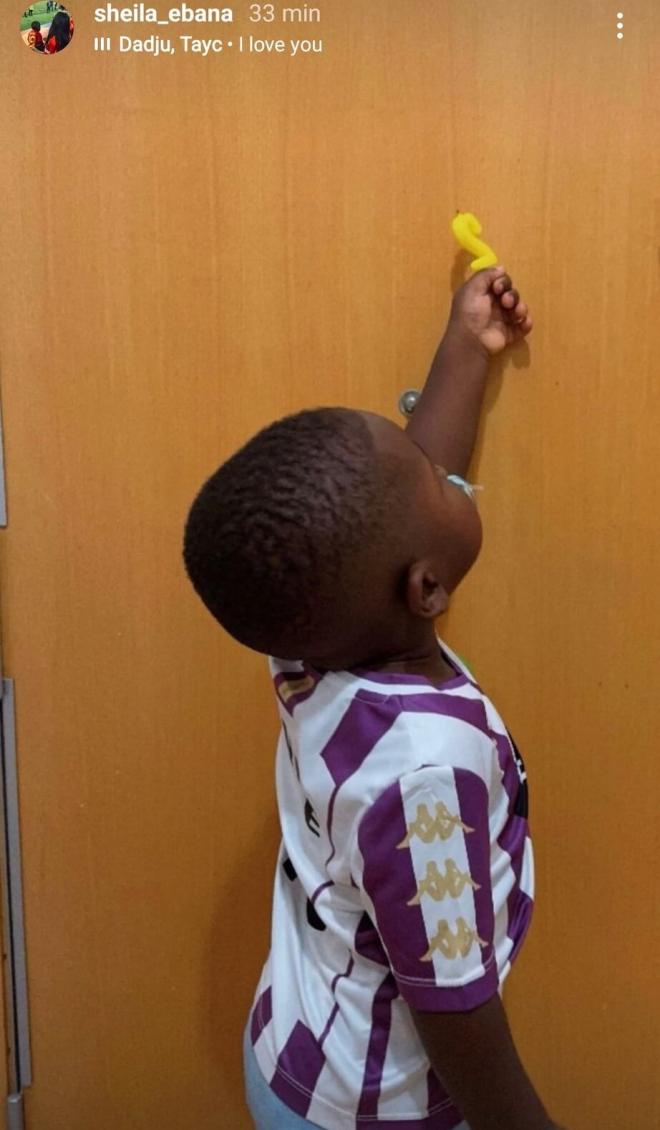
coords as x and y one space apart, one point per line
423 850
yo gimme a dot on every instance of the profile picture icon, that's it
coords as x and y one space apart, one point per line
47 27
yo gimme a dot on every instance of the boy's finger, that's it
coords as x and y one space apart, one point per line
502 282
481 281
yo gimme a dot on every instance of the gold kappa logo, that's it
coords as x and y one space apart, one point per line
452 945
446 942
437 886
427 827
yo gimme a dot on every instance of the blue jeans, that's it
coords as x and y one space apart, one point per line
267 1110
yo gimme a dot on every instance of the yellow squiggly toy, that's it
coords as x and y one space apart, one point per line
466 228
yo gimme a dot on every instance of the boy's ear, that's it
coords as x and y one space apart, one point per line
430 597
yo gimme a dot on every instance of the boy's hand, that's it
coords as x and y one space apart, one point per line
486 312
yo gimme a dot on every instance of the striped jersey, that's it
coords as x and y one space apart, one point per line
405 876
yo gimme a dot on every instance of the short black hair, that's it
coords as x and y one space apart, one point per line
35 25
288 526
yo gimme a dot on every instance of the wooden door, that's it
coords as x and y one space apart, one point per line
193 246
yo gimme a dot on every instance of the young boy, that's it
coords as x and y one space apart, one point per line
405 877
35 38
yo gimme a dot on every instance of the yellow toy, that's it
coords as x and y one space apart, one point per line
466 228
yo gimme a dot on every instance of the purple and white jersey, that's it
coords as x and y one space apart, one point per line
405 876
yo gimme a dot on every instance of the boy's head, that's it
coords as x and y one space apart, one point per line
330 536
35 25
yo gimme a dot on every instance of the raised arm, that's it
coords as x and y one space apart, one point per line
486 316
